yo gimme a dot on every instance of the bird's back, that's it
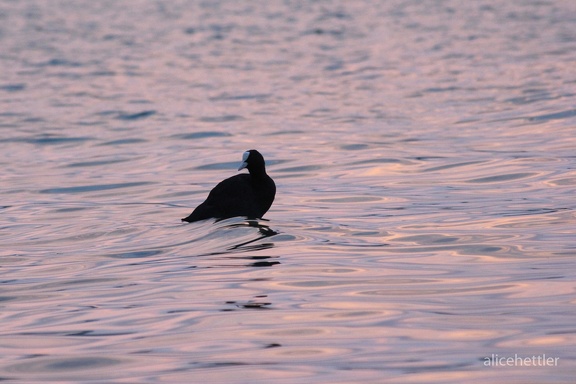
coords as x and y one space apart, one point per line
238 195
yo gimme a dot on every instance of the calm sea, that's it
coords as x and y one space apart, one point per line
424 229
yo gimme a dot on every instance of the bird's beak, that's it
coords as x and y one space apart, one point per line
244 164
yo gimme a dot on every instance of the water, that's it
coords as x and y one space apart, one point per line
424 153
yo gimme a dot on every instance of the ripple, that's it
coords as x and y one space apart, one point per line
50 139
502 178
94 188
135 254
563 181
217 166
350 199
553 116
220 119
124 141
13 87
135 116
96 163
226 96
450 166
66 367
200 135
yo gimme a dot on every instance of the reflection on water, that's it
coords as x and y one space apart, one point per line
424 159
264 231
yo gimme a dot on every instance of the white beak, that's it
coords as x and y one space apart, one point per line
244 160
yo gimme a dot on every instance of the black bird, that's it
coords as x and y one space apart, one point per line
248 194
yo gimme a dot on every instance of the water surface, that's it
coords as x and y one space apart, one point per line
424 154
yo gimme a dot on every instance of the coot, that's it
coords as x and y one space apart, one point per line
248 194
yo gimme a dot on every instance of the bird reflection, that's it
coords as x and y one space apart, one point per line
258 302
264 231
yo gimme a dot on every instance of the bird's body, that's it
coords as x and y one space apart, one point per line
248 194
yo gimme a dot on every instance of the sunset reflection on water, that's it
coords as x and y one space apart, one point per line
424 219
